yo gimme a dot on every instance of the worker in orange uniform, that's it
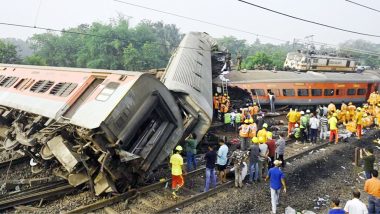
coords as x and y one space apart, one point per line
256 110
331 108
216 104
333 121
292 120
252 129
176 163
351 110
228 102
244 135
359 122
263 133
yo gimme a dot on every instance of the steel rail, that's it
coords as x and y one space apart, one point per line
14 161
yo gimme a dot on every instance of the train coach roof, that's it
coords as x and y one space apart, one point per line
289 76
66 69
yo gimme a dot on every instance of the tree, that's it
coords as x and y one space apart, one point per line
8 53
259 61
34 60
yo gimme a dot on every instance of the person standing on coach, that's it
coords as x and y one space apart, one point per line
191 151
277 180
177 168
210 158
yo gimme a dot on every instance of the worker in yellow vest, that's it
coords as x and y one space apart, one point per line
252 128
377 115
244 135
292 120
333 128
263 132
359 122
351 110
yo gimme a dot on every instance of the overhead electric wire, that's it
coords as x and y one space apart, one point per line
362 5
309 21
93 35
201 21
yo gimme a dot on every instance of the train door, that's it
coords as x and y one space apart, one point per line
370 89
90 87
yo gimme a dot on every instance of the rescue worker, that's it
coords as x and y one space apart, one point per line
331 109
343 113
216 104
359 122
303 126
308 116
251 109
238 59
263 132
252 129
351 110
372 100
238 119
244 135
298 116
333 128
177 169
377 115
227 121
271 149
223 110
292 120
296 133
256 110
228 61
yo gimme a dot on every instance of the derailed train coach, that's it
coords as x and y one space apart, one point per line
102 127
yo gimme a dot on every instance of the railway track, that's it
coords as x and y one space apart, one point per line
12 162
157 198
44 191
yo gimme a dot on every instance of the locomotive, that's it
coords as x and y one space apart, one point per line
107 128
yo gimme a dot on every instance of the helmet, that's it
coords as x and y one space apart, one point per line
365 115
378 104
265 125
302 112
254 103
251 120
228 97
335 115
255 140
358 109
178 148
269 135
308 111
296 125
225 94
216 94
350 103
246 121
261 140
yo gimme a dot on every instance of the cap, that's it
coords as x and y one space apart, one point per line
296 125
277 162
358 109
308 111
302 112
255 140
216 94
254 103
350 103
265 125
178 148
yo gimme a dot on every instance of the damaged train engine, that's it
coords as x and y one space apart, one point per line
107 128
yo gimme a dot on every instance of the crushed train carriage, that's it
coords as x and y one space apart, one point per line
102 127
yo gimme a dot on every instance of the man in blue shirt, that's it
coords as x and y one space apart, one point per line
221 161
335 207
277 180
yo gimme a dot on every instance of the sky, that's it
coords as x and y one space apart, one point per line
59 14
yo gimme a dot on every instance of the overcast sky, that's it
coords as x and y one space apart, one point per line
70 13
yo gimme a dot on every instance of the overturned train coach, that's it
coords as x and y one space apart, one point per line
102 127
299 88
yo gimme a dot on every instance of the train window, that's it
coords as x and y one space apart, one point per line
63 89
362 91
258 92
329 92
351 91
41 86
8 81
303 92
316 92
288 92
107 91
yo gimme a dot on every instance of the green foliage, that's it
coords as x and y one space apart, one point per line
259 61
34 60
363 58
8 53
115 46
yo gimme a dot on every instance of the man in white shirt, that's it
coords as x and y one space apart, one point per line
314 125
355 206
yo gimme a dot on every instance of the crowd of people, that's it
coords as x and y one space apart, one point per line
260 156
